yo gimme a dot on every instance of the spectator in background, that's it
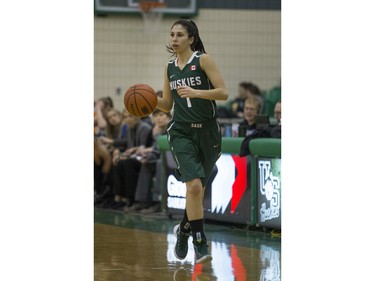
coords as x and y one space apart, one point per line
277 112
150 159
101 107
126 166
115 130
147 119
245 90
251 109
254 91
275 132
248 127
102 170
237 105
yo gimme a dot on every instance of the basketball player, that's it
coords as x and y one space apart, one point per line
192 83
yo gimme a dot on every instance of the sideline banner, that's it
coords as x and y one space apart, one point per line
245 190
227 194
269 192
267 152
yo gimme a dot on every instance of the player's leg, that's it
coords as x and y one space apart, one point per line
194 208
209 151
178 137
188 159
194 197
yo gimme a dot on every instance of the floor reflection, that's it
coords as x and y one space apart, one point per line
270 259
227 263
142 248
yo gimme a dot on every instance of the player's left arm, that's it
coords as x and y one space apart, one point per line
220 91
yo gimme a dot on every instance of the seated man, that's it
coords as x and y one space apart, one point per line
150 159
126 166
275 132
248 127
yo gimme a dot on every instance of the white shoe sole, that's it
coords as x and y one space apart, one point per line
204 259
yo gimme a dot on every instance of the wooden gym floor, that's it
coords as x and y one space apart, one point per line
132 246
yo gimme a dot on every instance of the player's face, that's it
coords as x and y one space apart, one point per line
179 39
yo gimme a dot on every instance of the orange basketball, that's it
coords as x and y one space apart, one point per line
140 100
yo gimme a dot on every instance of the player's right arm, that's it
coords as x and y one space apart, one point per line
166 102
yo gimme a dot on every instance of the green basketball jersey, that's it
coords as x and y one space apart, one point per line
195 109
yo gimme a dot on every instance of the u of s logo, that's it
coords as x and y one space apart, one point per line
269 186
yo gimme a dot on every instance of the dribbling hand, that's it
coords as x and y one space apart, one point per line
186 92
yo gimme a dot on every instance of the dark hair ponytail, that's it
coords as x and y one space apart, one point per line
193 31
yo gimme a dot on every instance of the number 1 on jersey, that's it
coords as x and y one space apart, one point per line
188 102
